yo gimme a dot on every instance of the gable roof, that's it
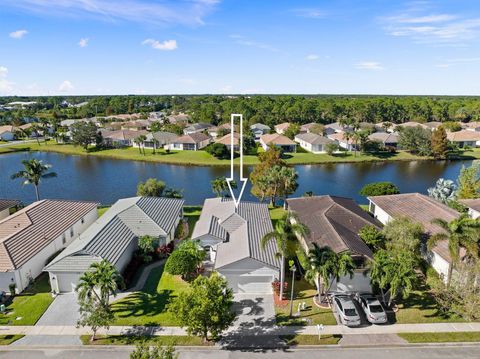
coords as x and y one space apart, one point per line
241 230
122 135
463 135
109 236
282 126
29 230
334 222
276 139
384 137
340 137
163 138
7 128
260 126
313 138
198 127
227 139
196 137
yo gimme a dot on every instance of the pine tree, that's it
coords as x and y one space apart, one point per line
439 143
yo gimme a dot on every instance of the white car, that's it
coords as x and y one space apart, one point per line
372 307
345 307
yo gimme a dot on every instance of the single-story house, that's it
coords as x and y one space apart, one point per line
282 127
158 139
125 117
138 125
336 127
473 206
121 138
7 206
259 129
307 127
465 138
179 119
227 141
32 235
433 125
421 209
312 142
196 128
388 139
192 142
335 222
224 128
343 142
410 124
232 237
471 126
280 141
156 116
7 133
114 237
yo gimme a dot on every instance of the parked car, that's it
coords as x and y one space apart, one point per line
372 307
345 307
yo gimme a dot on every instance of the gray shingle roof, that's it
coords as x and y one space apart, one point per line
124 222
245 226
313 138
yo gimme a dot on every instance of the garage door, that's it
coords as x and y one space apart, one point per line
250 284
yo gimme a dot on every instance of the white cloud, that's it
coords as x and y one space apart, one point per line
83 42
6 87
186 12
369 65
3 71
167 45
18 34
65 86
312 57
311 13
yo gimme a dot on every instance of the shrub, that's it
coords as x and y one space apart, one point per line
12 288
276 286
379 189
218 150
330 148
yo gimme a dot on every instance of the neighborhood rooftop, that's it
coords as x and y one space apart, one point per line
241 229
8 203
28 231
313 138
333 221
472 203
126 220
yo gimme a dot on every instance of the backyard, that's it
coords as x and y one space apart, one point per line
150 305
27 307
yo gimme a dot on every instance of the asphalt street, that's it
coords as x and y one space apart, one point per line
430 352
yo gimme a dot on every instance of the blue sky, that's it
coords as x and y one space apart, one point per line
226 46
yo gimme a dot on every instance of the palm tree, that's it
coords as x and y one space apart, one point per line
462 232
220 186
285 235
34 170
327 265
86 287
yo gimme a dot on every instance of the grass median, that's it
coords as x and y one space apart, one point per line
447 337
163 340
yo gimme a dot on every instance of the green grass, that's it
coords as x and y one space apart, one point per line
162 340
312 315
202 158
448 337
301 339
29 305
192 214
149 306
9 339
102 210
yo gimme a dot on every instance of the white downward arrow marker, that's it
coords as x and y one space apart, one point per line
232 153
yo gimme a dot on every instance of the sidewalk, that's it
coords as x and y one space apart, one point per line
275 330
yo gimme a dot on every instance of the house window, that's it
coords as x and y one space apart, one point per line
372 207
64 238
71 232
83 220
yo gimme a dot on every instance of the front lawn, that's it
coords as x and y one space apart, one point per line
163 340
192 214
149 306
301 339
447 337
304 292
9 339
27 307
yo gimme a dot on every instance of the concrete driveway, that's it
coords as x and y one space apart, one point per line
63 311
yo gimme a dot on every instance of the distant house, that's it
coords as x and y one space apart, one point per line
156 116
421 209
138 125
282 127
232 237
114 237
335 222
473 206
433 125
307 127
465 138
30 236
196 128
224 128
280 141
312 142
227 141
259 129
192 142
121 138
158 139
125 117
410 124
180 119
387 139
7 206
343 142
336 127
7 133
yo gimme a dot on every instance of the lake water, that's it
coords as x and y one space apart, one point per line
106 180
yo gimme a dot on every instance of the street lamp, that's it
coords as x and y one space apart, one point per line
293 268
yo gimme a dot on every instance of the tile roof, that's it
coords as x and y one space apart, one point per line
227 139
384 137
163 138
276 139
471 203
192 138
463 135
28 231
7 128
123 135
340 137
260 126
111 234
334 222
313 138
282 126
245 226
8 203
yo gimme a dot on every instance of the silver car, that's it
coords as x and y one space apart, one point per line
345 307
372 307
